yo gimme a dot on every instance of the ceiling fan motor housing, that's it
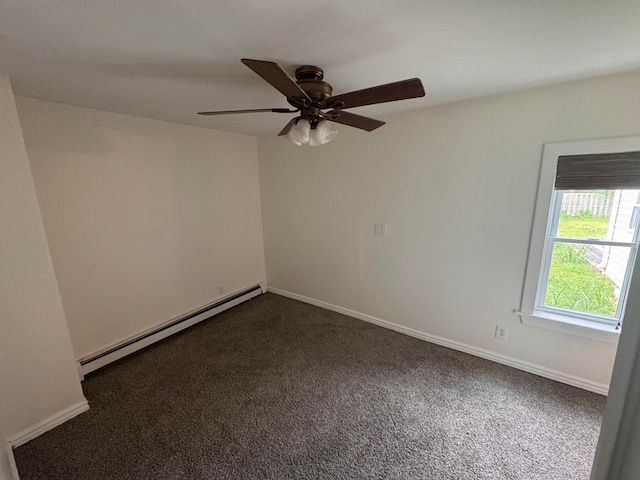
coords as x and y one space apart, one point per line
309 72
309 77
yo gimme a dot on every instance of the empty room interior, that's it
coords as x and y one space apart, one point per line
280 240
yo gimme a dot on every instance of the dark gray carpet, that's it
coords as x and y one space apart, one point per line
277 389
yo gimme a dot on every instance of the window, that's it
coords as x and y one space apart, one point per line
588 254
584 241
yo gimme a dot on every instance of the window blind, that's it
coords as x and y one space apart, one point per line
604 171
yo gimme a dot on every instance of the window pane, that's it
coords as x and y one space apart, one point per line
586 278
587 213
602 214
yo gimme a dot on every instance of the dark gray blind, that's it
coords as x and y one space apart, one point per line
603 171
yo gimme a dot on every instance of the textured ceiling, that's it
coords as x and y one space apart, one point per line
168 59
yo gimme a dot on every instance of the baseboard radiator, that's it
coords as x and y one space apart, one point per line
115 352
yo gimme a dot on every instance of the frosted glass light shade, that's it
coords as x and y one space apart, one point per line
299 133
323 133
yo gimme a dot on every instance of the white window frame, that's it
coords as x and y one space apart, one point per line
531 313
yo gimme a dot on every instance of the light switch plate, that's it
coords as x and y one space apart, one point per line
380 229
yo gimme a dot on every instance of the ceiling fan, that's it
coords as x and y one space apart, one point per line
313 98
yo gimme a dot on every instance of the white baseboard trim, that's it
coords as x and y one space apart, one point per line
96 360
12 461
462 347
79 367
47 424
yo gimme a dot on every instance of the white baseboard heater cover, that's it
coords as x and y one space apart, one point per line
95 361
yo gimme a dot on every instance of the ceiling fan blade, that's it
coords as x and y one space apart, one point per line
273 110
277 77
353 120
288 127
389 92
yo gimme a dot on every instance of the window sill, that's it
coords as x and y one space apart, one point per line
571 326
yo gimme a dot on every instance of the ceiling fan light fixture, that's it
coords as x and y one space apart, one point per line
299 133
322 134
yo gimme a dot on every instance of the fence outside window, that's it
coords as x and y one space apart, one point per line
598 203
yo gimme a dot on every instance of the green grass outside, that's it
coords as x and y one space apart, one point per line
583 225
574 283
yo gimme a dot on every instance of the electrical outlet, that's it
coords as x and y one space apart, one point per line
221 289
502 332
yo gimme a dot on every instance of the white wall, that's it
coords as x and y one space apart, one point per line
38 376
456 185
5 465
145 219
